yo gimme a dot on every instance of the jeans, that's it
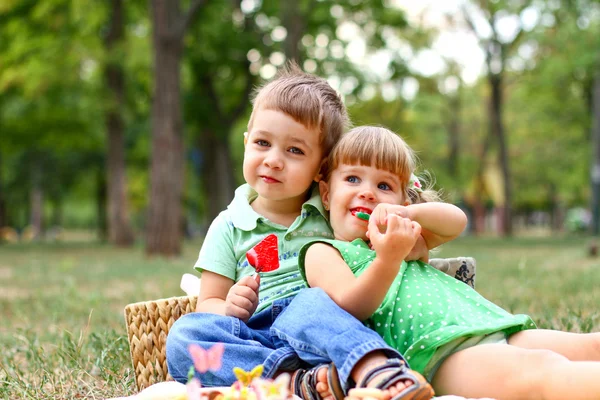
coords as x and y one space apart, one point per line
310 329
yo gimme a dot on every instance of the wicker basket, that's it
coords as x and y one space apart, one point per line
148 323
147 326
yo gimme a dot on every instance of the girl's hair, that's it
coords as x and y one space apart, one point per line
380 148
423 194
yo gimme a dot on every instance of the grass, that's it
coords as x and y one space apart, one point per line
62 332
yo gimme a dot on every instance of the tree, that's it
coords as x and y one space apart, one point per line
164 220
497 50
120 231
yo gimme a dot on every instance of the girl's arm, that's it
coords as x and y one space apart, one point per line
325 268
362 295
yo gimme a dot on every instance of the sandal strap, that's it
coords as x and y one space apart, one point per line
393 363
304 383
399 371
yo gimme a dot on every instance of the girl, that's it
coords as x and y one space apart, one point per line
462 343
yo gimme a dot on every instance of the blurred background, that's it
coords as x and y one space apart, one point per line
121 138
122 121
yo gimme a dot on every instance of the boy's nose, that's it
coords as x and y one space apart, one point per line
273 161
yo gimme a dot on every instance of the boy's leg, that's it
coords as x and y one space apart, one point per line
321 332
246 346
574 346
502 371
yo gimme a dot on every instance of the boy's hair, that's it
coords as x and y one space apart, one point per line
308 99
383 149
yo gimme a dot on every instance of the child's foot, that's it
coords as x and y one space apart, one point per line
391 380
318 383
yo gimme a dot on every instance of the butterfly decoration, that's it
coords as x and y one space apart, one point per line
245 378
205 360
273 389
193 388
264 257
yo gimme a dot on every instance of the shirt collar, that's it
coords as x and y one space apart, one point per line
245 218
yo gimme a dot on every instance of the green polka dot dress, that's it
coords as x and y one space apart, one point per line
426 308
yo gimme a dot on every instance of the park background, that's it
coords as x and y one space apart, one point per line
121 138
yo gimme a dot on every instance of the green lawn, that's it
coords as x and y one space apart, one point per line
62 332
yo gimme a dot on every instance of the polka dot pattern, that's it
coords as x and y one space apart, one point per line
426 308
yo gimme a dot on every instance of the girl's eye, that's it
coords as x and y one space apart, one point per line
262 142
384 186
295 150
352 179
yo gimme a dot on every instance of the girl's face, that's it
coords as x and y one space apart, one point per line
354 188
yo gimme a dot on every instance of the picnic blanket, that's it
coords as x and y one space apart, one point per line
177 391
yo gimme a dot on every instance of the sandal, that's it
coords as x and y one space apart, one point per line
397 372
304 383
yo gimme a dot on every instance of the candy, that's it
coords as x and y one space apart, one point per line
264 257
363 215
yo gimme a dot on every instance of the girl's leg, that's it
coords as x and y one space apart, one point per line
574 346
507 372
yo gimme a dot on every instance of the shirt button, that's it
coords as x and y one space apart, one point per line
288 237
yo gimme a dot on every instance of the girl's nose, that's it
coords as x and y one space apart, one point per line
366 194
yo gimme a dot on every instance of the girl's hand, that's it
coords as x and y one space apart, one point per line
381 212
242 298
396 242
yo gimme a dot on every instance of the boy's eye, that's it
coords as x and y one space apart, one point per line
295 150
261 142
384 186
352 179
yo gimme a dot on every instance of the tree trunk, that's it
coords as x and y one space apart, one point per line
294 22
595 164
217 173
454 136
3 211
36 220
120 231
497 125
164 220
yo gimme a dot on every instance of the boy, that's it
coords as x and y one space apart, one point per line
296 120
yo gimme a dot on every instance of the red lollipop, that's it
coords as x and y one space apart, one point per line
264 257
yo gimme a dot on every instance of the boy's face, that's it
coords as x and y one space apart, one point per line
354 188
282 157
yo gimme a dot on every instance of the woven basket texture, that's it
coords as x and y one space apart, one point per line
148 324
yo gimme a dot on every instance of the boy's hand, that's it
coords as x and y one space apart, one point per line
242 298
399 238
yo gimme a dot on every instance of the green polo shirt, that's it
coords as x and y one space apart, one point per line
239 228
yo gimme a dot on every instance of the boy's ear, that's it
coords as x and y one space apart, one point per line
324 190
319 175
245 138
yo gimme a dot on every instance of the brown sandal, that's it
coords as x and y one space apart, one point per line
304 383
398 372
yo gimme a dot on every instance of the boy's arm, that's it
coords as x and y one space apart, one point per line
440 222
219 293
213 291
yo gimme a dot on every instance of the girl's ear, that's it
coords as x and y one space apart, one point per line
245 138
324 190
